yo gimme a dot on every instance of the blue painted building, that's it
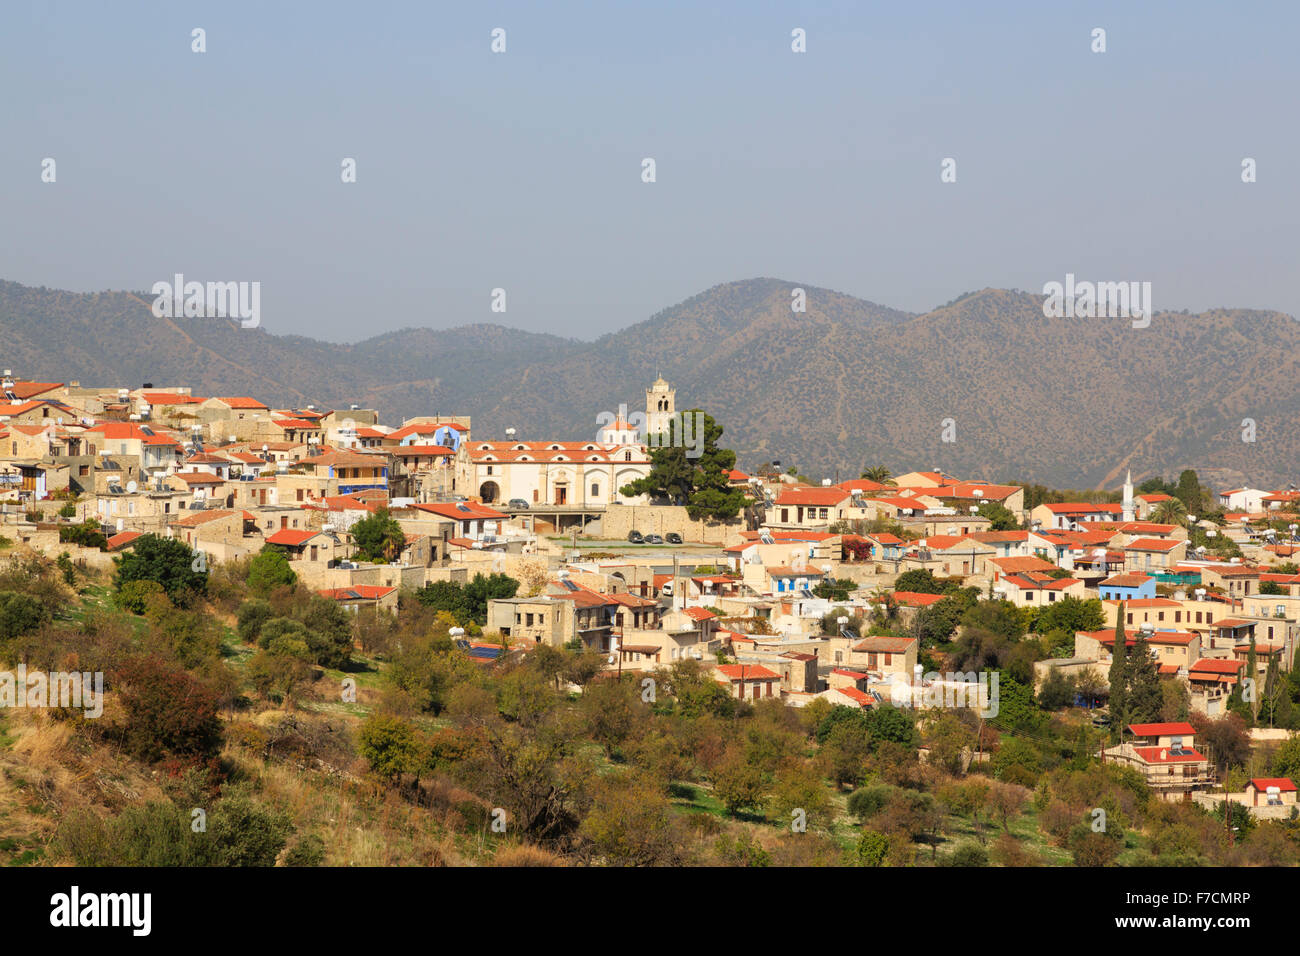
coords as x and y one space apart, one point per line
1127 587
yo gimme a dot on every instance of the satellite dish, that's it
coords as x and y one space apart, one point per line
131 487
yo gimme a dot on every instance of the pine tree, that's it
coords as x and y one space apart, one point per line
695 476
1144 696
1118 677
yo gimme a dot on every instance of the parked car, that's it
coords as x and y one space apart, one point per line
653 539
518 504
674 537
635 537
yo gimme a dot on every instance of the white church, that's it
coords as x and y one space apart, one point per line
567 474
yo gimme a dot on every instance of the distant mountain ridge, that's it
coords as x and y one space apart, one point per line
848 383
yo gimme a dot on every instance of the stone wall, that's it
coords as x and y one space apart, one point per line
619 520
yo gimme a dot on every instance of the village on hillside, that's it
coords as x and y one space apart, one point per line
919 590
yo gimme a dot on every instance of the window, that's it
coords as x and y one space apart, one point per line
595 491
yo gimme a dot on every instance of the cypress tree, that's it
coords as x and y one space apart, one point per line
1272 690
1252 672
1118 677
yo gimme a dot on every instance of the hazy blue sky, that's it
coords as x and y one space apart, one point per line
522 170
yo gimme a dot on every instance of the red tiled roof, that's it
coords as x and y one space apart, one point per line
972 490
903 503
170 398
122 539
362 592
1152 544
916 598
461 511
1135 527
860 485
863 699
945 542
290 537
1178 729
819 497
203 517
856 675
26 390
1133 580
746 672
1284 784
199 478
882 644
1042 584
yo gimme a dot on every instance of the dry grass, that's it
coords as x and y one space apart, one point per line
48 770
525 854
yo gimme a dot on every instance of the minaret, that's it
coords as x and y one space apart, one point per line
1128 496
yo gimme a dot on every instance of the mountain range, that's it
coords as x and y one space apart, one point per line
843 385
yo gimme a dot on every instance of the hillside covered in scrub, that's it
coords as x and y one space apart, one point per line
250 722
